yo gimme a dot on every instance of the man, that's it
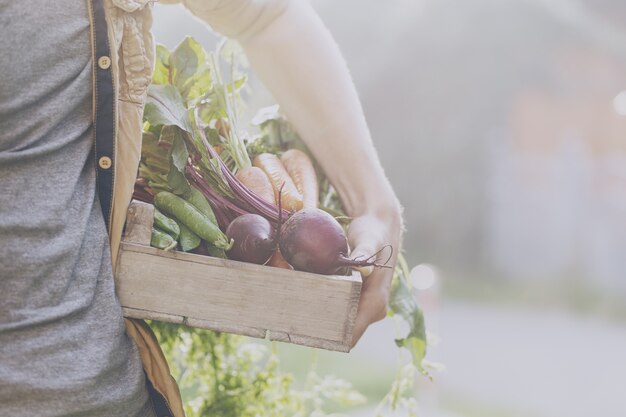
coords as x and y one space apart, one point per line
75 75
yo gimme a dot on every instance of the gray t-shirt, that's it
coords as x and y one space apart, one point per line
63 346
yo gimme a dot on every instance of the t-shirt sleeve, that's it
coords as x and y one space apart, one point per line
237 18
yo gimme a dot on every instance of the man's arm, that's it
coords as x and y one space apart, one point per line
297 59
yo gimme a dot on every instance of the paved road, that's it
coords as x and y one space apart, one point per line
514 361
550 363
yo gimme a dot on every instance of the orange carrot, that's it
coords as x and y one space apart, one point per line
301 171
256 180
278 261
223 127
291 199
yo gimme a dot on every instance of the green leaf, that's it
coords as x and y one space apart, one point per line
165 106
190 71
179 154
177 182
177 158
212 136
162 66
187 58
150 147
402 302
197 86
167 136
237 84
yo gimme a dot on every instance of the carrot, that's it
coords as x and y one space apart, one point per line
301 171
278 261
257 181
280 179
223 127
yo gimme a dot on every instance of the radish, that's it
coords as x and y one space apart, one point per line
312 240
254 237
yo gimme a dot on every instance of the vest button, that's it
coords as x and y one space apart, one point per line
104 62
104 162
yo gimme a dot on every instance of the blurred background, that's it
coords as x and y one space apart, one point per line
502 126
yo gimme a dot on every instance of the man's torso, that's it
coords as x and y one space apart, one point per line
63 349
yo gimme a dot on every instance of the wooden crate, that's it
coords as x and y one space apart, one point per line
234 297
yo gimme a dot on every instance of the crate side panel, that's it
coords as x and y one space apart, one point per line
237 295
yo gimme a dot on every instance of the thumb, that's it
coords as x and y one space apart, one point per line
364 235
363 251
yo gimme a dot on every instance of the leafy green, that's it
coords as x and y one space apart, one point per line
179 153
401 395
276 131
165 106
402 302
257 147
187 60
189 69
177 183
241 378
161 74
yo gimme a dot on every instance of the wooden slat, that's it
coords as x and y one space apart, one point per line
139 220
236 297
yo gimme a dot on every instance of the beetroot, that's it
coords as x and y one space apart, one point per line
254 237
312 240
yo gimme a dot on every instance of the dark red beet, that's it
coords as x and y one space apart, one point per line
312 240
254 239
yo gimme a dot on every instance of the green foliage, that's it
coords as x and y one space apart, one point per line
161 74
276 131
165 106
401 395
178 155
402 301
223 375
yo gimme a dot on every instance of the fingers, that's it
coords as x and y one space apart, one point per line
366 238
363 251
365 318
360 325
367 235
372 305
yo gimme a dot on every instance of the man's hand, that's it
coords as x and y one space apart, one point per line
368 234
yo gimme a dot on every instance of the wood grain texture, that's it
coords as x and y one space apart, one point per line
237 297
139 220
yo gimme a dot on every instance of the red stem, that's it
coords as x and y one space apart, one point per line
246 201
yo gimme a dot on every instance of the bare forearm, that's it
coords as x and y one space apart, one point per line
300 63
